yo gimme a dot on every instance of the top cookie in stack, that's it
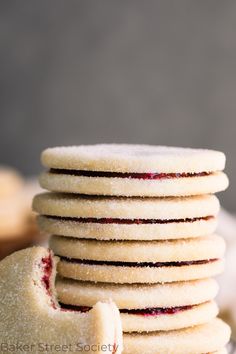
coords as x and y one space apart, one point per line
133 170
135 223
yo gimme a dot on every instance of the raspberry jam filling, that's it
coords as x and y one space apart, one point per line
47 270
47 264
150 311
146 176
135 264
129 221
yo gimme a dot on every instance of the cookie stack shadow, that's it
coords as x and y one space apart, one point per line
136 224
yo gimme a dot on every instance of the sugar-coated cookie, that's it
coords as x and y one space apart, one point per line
169 319
162 319
73 182
115 231
31 316
135 211
196 249
133 158
138 305
107 272
206 338
133 170
136 296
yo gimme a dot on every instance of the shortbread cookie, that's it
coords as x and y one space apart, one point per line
133 170
206 338
196 249
133 158
169 318
139 262
159 185
10 182
139 306
128 273
162 319
66 205
122 218
140 297
136 231
31 315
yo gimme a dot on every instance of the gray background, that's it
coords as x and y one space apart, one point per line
159 72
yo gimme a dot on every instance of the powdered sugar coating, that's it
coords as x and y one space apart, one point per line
133 158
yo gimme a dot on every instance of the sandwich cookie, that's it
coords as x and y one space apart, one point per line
139 262
125 218
133 170
146 307
31 315
204 339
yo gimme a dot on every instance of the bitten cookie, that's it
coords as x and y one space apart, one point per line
30 314
133 170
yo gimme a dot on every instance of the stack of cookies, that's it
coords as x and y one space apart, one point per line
136 223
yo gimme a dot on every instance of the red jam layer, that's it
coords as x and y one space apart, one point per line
47 269
156 311
147 176
47 264
129 221
135 264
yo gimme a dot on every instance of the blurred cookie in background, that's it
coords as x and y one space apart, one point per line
10 182
18 227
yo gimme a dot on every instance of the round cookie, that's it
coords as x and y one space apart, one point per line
167 321
196 249
146 308
134 296
114 231
163 319
167 209
77 182
128 274
133 170
206 338
10 182
133 158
